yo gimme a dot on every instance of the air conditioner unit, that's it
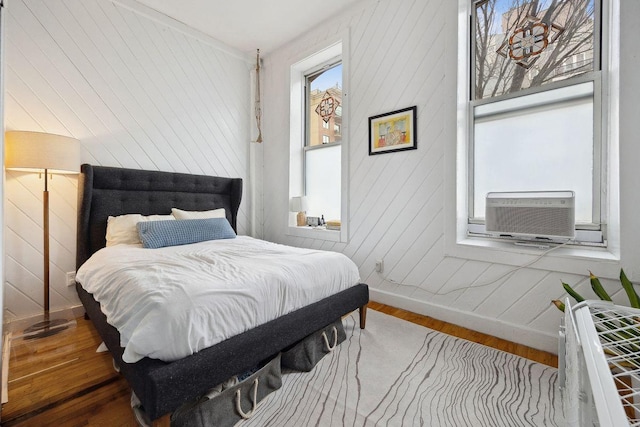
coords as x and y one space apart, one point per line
531 214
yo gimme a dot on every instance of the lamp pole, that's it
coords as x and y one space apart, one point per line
47 327
45 227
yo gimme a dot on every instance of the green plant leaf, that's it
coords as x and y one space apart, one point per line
634 300
597 288
576 296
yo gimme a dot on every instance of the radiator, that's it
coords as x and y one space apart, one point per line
599 364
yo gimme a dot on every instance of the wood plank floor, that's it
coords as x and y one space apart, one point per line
549 359
62 381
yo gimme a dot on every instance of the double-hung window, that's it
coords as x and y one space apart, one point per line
322 151
318 139
535 103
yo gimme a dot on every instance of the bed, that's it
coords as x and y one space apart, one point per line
163 387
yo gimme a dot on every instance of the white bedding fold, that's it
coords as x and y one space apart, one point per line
171 302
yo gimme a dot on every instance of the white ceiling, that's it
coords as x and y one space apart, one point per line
248 25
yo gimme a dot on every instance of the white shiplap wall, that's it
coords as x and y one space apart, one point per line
404 53
138 90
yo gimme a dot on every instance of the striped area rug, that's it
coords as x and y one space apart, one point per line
396 373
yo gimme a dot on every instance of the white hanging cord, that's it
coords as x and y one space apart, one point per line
247 415
257 104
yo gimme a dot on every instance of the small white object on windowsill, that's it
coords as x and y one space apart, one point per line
299 204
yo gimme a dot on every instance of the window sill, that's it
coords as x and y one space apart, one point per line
573 259
314 233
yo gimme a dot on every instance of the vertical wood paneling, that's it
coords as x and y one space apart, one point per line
137 92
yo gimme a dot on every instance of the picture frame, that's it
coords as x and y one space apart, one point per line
393 131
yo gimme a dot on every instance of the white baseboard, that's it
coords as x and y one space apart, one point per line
515 333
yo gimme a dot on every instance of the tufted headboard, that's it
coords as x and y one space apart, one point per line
105 191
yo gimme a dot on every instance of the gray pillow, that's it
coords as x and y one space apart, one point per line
158 234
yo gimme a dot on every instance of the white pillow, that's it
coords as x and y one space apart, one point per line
215 213
121 230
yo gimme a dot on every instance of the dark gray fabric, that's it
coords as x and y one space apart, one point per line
106 191
221 410
306 354
163 387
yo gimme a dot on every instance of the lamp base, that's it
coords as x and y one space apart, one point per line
41 326
46 328
301 219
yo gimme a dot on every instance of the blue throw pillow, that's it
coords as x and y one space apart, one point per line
158 234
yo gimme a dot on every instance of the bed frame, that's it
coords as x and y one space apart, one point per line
163 387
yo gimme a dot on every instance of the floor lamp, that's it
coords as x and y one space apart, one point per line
46 154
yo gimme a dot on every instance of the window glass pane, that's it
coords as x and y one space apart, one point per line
519 44
324 111
322 180
566 93
536 149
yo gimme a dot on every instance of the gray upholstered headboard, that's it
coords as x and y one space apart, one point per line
105 191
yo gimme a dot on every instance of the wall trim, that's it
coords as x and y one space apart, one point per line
163 19
487 325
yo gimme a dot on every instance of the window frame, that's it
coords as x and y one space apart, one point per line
314 58
590 232
576 259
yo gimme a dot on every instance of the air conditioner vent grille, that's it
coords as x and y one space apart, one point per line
531 214
553 221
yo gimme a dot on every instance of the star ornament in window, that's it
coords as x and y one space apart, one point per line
529 40
327 106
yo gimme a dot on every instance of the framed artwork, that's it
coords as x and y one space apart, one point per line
394 131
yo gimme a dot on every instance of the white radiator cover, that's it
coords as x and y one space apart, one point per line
599 365
531 214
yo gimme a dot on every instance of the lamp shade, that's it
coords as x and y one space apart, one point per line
37 151
298 204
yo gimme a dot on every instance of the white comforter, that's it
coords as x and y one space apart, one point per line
171 302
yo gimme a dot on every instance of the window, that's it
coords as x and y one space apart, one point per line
322 153
317 151
534 102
